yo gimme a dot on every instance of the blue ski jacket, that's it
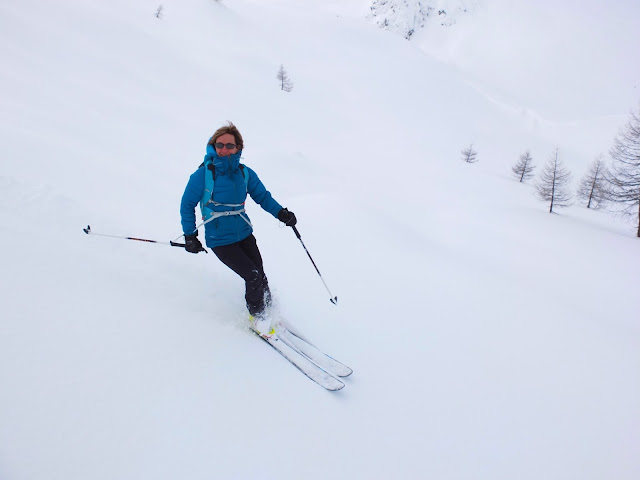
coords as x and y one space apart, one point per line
230 188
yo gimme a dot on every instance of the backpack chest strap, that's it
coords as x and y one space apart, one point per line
214 215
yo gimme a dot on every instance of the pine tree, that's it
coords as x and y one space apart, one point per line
552 184
469 154
523 169
593 186
285 82
624 179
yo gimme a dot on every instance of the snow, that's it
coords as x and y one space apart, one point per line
488 338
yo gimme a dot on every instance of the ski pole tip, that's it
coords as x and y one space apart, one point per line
334 300
87 230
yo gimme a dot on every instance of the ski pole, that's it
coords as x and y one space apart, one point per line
332 299
171 243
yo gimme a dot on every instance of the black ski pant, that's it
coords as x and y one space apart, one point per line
244 258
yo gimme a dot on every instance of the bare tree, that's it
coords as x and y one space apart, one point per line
552 183
469 154
624 179
159 12
523 169
593 187
285 82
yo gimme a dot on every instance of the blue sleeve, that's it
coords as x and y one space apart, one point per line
190 199
261 195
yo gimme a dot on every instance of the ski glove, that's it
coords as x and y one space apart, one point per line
192 244
287 217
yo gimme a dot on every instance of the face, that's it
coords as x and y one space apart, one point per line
227 138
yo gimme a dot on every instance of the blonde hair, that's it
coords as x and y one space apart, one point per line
228 128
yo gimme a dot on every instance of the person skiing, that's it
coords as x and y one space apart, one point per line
221 185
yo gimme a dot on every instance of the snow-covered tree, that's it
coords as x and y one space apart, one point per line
523 169
593 186
624 179
469 155
408 17
159 12
552 184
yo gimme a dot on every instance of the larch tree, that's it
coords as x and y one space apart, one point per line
285 82
624 178
592 188
552 184
523 169
469 155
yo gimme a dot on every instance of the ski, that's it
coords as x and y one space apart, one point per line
318 357
302 363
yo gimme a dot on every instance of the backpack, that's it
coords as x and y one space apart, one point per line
207 196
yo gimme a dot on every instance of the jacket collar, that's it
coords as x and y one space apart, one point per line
223 164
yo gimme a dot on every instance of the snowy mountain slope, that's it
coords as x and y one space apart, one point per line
537 58
461 301
407 17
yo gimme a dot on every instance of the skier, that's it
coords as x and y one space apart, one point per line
221 185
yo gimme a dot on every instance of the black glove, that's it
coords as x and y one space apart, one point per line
192 244
287 217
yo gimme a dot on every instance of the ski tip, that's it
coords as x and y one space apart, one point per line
337 388
334 386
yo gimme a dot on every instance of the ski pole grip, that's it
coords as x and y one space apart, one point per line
184 245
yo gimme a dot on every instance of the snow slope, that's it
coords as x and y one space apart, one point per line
489 339
565 68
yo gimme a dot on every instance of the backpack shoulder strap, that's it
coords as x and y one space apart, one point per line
245 175
209 180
